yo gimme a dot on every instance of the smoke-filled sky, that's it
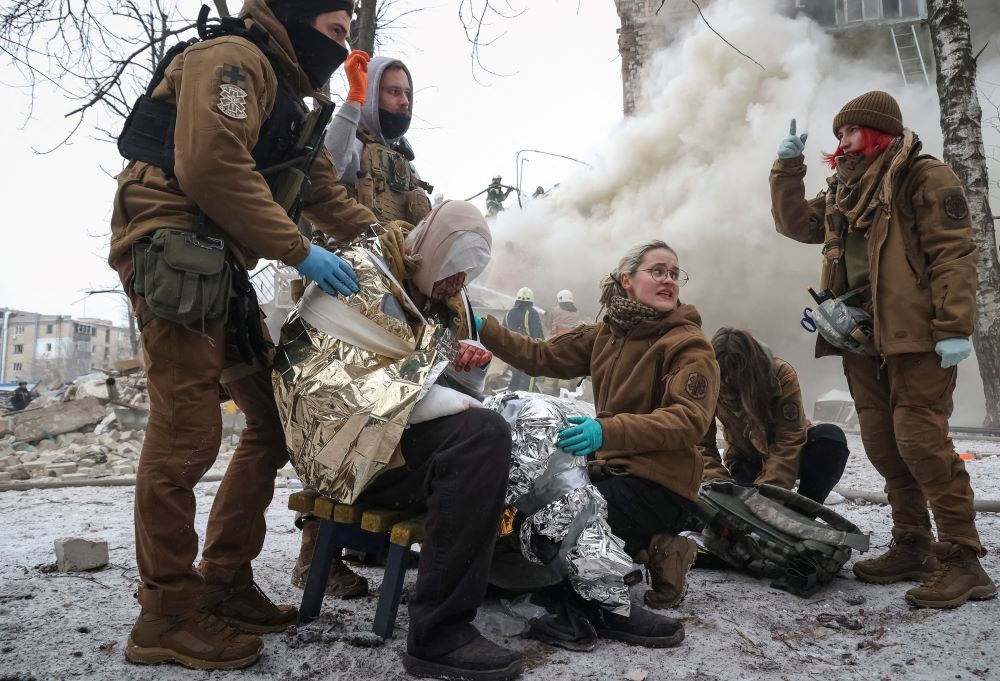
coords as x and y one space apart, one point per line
691 168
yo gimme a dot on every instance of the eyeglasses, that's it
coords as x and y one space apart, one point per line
661 274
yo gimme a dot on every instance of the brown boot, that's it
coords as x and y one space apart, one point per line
251 610
342 583
198 640
908 557
668 560
958 578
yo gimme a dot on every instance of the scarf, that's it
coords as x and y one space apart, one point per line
860 186
627 314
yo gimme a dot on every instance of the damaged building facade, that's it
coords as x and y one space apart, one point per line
37 347
890 33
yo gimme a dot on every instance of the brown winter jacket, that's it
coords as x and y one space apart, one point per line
654 388
920 254
780 450
213 166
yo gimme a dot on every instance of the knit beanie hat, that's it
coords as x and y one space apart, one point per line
876 110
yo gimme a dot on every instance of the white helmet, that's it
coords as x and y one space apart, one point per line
526 294
564 296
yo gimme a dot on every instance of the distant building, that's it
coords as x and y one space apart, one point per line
892 33
48 348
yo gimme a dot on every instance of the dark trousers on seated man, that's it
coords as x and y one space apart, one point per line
456 468
821 465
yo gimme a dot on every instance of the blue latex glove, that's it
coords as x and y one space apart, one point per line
330 273
953 351
584 438
792 145
479 323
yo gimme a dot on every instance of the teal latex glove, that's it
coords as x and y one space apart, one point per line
479 323
792 145
330 273
583 438
953 351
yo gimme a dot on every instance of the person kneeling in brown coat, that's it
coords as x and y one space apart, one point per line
655 386
768 438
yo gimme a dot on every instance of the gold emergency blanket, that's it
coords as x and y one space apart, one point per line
348 373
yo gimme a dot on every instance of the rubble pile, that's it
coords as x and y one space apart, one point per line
93 428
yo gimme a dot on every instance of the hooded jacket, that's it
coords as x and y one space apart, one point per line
655 389
921 257
342 139
213 165
780 449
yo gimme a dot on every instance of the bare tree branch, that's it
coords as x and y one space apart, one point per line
698 7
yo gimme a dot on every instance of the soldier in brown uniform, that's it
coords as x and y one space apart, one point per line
896 235
655 386
366 142
768 438
189 223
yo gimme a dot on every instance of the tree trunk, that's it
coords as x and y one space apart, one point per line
364 25
961 123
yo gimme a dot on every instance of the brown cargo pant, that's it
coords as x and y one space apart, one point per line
903 409
184 370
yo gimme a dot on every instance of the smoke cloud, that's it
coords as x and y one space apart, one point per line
691 168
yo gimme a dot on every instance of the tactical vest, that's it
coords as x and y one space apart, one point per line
387 185
148 133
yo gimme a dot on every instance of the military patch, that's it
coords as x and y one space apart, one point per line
232 75
956 207
232 101
696 386
790 411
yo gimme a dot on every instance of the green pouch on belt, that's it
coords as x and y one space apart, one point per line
183 276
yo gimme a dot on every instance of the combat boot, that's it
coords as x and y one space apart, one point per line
198 640
342 583
909 558
250 609
668 560
958 578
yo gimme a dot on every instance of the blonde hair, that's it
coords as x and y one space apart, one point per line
629 264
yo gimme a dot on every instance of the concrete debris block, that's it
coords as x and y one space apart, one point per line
6 426
74 554
105 424
123 469
46 446
60 469
70 477
636 675
65 417
19 473
28 457
9 462
5 476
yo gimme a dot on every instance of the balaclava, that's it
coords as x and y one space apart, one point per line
318 55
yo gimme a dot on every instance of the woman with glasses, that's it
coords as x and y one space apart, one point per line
655 385
768 438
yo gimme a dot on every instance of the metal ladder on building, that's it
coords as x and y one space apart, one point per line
909 55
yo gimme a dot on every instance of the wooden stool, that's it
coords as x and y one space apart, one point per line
343 526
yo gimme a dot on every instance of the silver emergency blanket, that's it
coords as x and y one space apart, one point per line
566 527
349 372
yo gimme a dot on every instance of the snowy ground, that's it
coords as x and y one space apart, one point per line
55 626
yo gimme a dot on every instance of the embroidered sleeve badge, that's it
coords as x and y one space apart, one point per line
790 411
955 206
696 386
232 101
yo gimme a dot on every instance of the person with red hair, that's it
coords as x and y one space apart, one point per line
899 257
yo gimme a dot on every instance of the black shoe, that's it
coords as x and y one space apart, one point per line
640 628
480 660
